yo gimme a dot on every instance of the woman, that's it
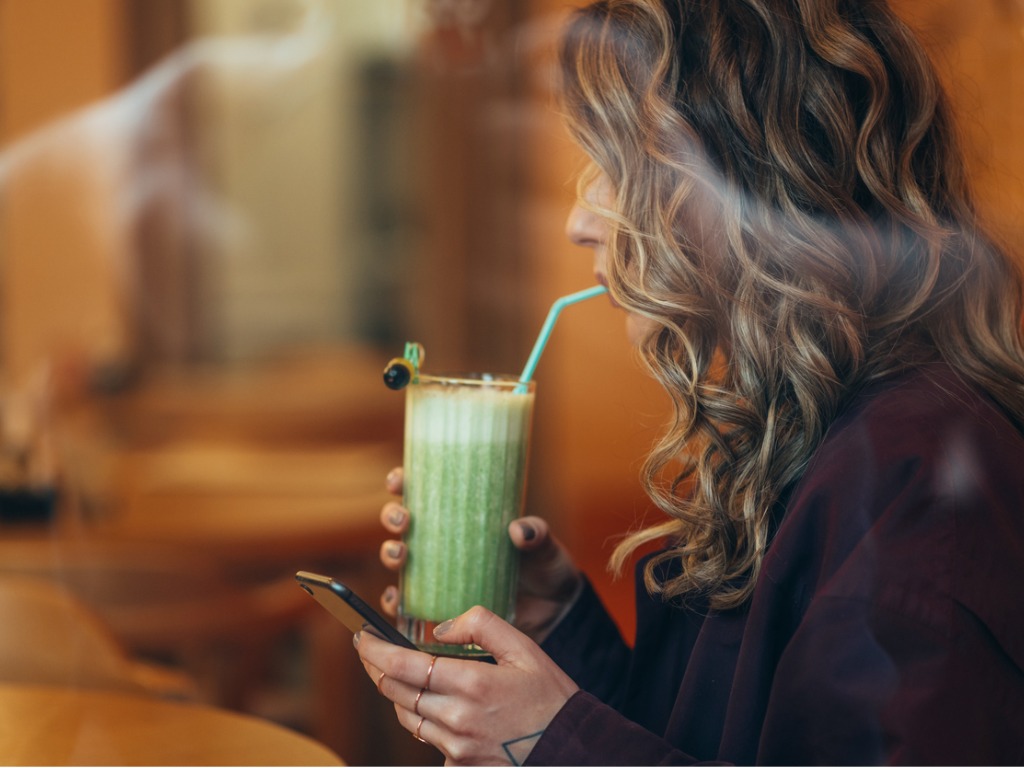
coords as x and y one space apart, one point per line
779 205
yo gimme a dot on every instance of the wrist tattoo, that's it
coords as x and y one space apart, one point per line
519 749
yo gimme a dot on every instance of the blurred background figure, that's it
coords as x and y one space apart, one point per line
459 37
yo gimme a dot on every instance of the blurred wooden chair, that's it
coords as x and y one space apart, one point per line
51 637
171 605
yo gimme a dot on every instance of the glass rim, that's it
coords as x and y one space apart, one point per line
496 380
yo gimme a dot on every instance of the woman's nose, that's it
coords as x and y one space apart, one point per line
584 227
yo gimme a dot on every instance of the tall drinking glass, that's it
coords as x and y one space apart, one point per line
466 447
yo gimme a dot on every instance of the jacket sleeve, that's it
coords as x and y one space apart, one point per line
910 650
874 686
856 684
588 732
588 647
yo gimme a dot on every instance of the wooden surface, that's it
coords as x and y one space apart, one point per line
41 725
247 504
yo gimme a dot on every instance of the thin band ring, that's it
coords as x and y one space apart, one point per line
379 681
416 705
417 734
430 672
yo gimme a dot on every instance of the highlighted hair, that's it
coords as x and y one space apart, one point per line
792 210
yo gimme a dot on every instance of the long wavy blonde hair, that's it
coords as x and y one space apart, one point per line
792 210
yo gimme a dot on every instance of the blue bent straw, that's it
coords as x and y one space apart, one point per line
545 331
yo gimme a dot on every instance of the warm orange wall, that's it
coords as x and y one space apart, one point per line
978 48
56 56
58 290
597 413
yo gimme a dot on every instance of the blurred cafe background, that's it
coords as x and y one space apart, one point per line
218 220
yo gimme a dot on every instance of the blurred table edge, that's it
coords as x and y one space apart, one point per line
51 725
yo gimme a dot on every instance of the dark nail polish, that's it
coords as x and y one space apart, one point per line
396 516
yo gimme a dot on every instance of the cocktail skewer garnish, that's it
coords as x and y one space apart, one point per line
401 371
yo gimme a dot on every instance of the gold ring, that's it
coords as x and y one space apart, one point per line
430 671
379 681
416 705
417 734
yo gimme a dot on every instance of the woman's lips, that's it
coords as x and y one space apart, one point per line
602 280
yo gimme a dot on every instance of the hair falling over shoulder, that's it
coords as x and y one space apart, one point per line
792 209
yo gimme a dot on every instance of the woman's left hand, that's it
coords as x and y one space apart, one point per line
474 712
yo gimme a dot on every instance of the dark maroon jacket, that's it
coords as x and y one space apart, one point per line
887 625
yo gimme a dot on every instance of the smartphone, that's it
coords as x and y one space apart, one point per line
350 609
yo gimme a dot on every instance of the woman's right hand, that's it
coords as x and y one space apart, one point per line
548 579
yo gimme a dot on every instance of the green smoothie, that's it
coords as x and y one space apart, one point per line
466 446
